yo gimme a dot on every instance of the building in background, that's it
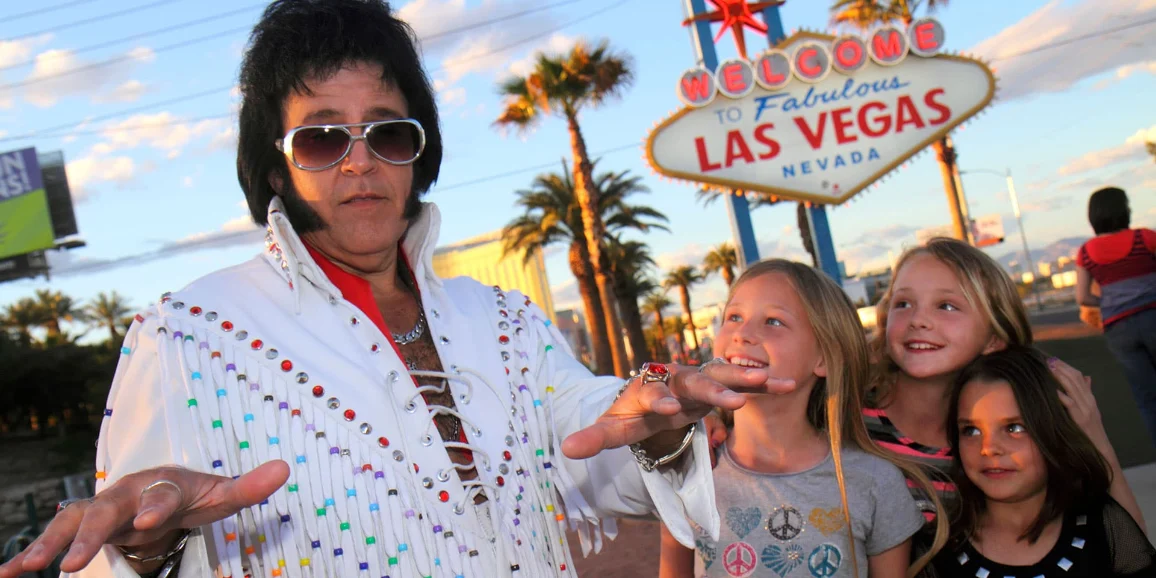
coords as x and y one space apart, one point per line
572 324
481 258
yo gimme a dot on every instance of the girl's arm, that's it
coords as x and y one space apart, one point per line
676 561
890 564
1084 294
1081 403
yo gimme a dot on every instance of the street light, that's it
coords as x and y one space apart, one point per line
1011 191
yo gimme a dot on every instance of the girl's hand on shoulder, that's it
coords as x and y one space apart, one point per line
1077 396
716 430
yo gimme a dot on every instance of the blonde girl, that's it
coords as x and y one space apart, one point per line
798 483
947 304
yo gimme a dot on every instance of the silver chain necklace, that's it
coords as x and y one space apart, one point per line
413 334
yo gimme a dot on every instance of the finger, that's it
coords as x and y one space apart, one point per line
586 442
157 505
100 520
656 397
735 377
15 567
718 435
1067 401
56 537
702 389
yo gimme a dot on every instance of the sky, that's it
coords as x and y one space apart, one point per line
160 206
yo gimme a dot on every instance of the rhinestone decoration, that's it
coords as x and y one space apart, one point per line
506 455
503 469
302 378
349 415
503 326
374 348
178 305
505 356
383 442
398 456
365 428
444 476
270 354
286 365
426 483
426 440
333 403
443 495
354 321
501 481
258 344
435 313
195 311
445 340
242 335
211 316
503 340
318 391
510 441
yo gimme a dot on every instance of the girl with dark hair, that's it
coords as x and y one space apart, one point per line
1033 486
1123 262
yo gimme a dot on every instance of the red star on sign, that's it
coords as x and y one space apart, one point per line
735 14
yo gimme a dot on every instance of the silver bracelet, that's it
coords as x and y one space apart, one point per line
648 464
173 552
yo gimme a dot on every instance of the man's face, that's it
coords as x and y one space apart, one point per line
357 207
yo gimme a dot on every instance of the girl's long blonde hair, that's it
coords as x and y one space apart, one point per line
836 403
985 286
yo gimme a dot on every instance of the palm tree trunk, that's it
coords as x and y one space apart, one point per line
661 328
728 276
113 336
595 319
632 320
684 295
53 327
945 152
592 224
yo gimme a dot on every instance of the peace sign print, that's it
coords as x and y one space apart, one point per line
739 559
785 523
825 560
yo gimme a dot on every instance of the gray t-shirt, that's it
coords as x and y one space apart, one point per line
792 525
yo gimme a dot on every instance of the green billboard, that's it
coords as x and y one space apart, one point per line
25 222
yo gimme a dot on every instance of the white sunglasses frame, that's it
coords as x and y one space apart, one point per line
285 145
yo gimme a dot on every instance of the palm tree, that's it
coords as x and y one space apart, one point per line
685 277
723 260
654 303
109 309
677 327
552 216
563 85
1151 149
866 14
21 317
53 307
630 261
708 196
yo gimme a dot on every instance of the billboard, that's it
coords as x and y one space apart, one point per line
985 231
25 221
820 117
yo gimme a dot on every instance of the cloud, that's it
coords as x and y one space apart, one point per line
434 20
187 182
689 254
15 52
234 233
1132 149
1058 69
566 295
452 96
1048 204
59 74
556 44
95 168
1126 71
127 92
224 140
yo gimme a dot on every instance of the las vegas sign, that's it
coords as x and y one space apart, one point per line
819 118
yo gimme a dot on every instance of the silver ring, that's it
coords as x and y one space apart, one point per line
716 360
66 503
180 494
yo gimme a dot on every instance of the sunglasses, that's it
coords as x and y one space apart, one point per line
319 147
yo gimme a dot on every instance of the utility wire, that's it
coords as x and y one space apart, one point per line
494 177
90 20
45 10
1073 39
50 131
141 35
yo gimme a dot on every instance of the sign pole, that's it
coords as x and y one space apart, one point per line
738 208
816 213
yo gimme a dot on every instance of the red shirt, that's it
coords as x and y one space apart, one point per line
1124 264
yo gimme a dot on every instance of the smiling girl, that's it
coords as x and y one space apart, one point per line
799 484
1033 486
